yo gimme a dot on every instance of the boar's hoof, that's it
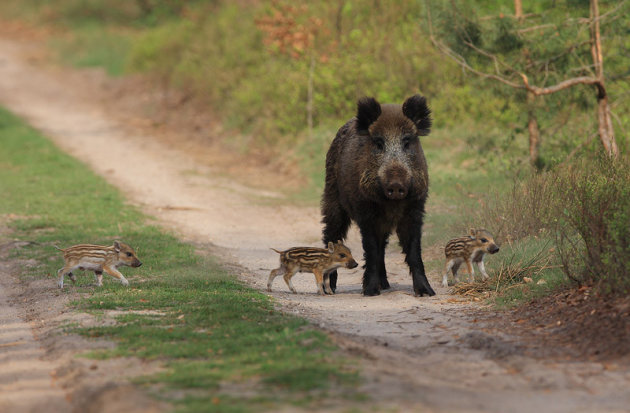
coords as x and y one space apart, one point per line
422 290
384 285
371 291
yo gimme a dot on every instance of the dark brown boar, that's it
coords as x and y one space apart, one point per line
376 176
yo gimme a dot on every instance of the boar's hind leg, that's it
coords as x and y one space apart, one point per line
374 253
336 223
409 234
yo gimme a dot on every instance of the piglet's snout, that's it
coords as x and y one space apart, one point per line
352 264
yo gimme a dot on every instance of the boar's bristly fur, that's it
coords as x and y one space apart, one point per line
376 176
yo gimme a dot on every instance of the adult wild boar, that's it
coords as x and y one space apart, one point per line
376 176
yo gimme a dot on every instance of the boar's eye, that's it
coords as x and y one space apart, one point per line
379 143
484 240
342 255
406 142
129 254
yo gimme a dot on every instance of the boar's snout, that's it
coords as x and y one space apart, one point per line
352 264
136 263
493 249
396 183
395 190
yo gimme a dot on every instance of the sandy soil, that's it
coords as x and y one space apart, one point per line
437 353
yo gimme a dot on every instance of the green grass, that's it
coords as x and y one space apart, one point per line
95 46
213 333
519 272
532 257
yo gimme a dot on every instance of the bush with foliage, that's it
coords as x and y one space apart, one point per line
593 223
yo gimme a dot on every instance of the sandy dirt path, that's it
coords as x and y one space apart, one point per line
417 353
24 385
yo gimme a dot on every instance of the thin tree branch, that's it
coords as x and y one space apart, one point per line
533 28
525 16
536 90
539 91
464 64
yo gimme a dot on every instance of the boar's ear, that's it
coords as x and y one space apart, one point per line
368 110
116 246
416 109
473 233
331 246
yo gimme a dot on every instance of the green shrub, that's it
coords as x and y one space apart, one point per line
583 205
224 56
521 211
593 225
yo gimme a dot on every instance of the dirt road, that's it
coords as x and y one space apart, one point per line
426 353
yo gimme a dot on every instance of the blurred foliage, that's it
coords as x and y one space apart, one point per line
550 44
250 61
582 209
592 230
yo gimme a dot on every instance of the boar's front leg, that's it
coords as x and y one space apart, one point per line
374 253
409 233
382 272
336 223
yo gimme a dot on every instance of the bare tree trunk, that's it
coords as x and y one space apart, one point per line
518 9
534 132
606 131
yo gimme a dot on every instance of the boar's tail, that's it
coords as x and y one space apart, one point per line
60 249
279 252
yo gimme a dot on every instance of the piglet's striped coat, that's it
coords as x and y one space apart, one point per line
99 259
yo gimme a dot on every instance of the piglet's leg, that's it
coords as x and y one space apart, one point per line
471 271
272 275
288 276
319 280
449 266
482 269
116 274
327 288
98 275
62 273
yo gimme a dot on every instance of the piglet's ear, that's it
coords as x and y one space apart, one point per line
472 232
368 110
116 246
416 109
331 246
